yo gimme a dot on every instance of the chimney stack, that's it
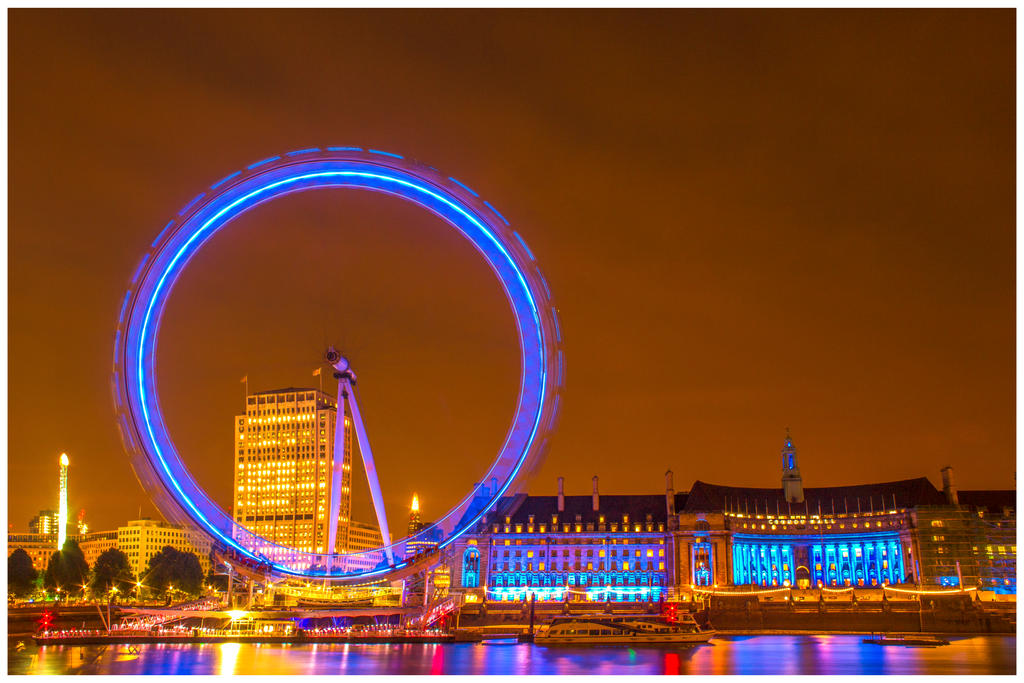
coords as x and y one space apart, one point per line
561 495
948 487
596 500
670 495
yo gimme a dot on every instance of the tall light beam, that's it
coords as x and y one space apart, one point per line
62 514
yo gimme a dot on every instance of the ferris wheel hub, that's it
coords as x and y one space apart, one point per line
336 360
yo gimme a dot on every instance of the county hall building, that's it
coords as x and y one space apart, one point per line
644 547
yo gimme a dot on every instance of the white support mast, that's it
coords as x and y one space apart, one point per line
347 396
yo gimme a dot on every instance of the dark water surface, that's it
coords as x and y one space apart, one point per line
832 654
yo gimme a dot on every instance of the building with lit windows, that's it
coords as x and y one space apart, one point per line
95 543
863 535
431 584
973 543
284 446
363 536
141 539
568 548
629 548
138 540
45 523
38 546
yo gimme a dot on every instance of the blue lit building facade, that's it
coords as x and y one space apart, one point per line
568 549
775 545
872 559
868 535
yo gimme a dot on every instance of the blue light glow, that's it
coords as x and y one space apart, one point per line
138 269
262 162
496 213
547 290
297 152
162 232
124 305
523 243
471 567
387 154
463 186
191 203
344 149
225 179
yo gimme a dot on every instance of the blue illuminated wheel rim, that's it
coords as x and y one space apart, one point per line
144 433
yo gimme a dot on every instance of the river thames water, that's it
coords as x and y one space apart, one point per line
727 654
824 654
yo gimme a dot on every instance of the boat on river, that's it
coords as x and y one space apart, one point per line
622 629
913 640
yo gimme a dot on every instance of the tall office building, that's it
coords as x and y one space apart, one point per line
44 523
284 446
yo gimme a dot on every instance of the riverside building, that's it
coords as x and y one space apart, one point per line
141 539
639 547
94 543
568 548
38 546
363 536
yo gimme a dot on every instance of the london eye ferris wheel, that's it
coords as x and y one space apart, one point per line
151 449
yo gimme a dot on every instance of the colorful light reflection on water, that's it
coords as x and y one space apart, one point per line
826 654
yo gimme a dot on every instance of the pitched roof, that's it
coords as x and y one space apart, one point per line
613 507
993 501
706 497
